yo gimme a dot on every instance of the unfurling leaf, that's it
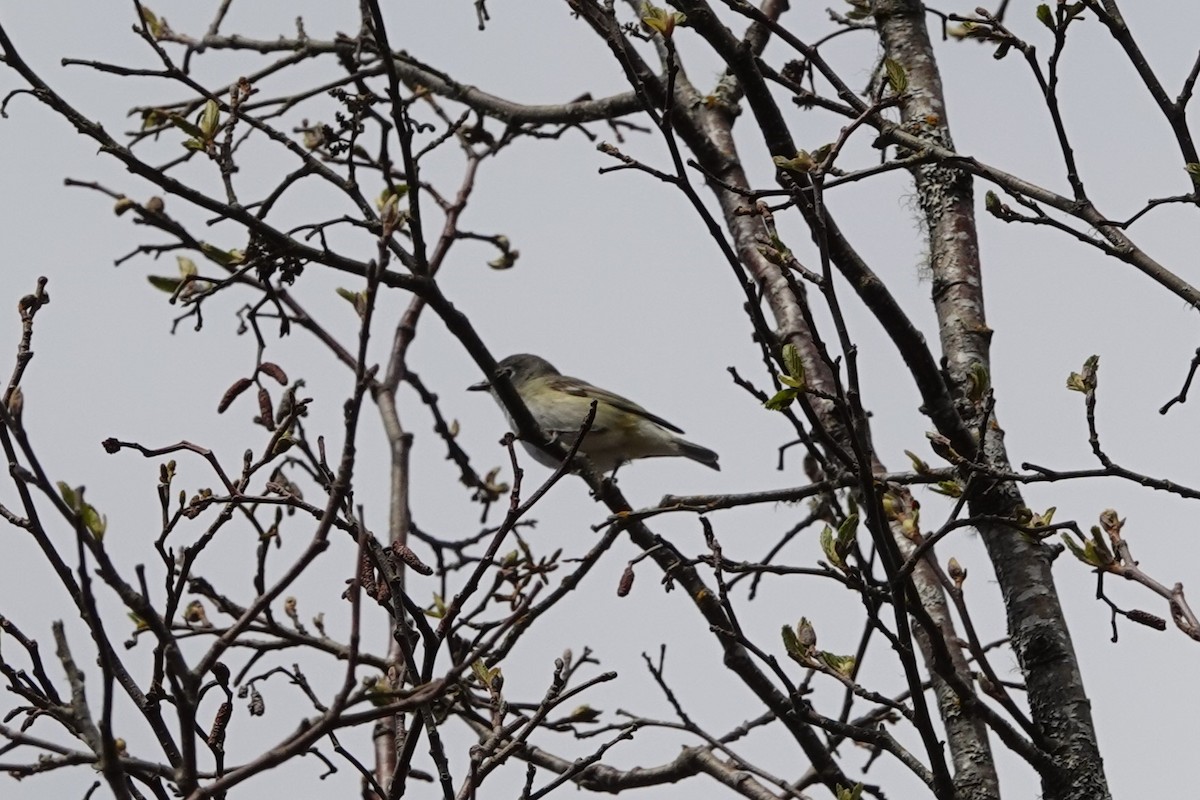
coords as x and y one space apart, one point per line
505 260
226 258
94 521
790 643
842 665
70 496
168 285
951 488
439 607
210 119
978 382
356 299
897 78
1045 16
794 364
920 466
661 20
991 202
782 399
1085 380
854 793
155 26
829 548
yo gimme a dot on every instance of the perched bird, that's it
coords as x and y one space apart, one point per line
622 430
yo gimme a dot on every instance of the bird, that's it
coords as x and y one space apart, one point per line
622 430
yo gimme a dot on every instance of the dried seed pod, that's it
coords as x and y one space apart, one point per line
626 584
239 386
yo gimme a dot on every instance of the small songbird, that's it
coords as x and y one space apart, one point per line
622 430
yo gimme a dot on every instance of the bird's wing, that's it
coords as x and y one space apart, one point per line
580 388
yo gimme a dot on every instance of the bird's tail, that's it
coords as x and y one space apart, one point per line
697 453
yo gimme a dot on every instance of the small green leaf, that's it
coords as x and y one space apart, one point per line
661 20
151 118
187 267
896 76
780 253
979 381
843 665
1045 16
1193 171
950 488
829 548
226 258
1084 554
920 466
168 285
859 9
850 794
356 299
69 495
94 521
391 196
439 607
1100 546
847 533
991 202
790 643
1075 9
848 528
154 26
185 125
782 399
210 119
793 362
1085 380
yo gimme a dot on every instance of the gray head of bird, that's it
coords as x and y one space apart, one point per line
520 369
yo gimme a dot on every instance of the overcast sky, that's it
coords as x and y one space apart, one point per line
618 283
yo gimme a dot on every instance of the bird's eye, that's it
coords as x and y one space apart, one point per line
506 372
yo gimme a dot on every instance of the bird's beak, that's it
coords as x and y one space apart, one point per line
482 386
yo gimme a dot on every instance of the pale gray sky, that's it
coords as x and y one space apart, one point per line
618 283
